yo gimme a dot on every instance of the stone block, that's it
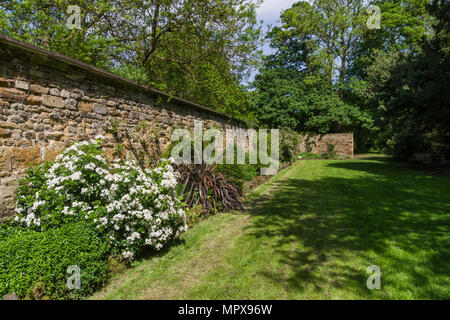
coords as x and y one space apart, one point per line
50 153
8 192
53 101
3 103
22 85
43 110
16 119
33 100
100 109
5 159
77 94
41 136
85 106
29 135
11 94
4 82
7 125
55 92
65 93
71 104
35 88
5 133
38 128
23 157
55 136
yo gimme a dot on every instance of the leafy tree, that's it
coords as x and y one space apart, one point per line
286 98
197 49
404 25
43 23
275 97
318 38
302 85
410 90
324 51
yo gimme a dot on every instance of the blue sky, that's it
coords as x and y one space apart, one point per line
270 12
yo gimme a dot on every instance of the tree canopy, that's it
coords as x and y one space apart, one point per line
332 73
329 71
196 49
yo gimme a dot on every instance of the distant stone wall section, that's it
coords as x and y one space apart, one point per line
343 143
48 101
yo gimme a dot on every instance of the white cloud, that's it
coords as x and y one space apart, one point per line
270 10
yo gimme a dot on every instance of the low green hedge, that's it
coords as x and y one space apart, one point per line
239 173
34 264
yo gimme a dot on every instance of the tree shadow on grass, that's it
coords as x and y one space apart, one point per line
376 158
151 253
327 231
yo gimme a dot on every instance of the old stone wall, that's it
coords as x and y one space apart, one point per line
343 143
48 101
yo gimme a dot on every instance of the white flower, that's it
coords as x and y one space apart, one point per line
90 166
67 211
103 221
36 205
76 176
131 203
127 254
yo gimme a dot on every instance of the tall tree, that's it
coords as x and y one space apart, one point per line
196 49
320 37
411 90
302 84
286 98
404 25
43 23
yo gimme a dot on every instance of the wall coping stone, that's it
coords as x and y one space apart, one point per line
105 74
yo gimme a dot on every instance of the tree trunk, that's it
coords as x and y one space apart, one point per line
342 72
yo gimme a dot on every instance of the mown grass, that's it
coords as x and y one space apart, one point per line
310 233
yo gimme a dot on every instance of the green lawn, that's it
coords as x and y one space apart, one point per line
310 233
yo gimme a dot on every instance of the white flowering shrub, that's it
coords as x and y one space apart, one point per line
131 207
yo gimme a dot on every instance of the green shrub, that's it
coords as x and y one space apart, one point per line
330 153
34 264
289 145
134 208
239 173
409 140
194 216
309 155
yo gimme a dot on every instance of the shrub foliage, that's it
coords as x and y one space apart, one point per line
34 264
132 207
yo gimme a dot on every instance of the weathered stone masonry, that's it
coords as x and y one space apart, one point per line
343 143
48 101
